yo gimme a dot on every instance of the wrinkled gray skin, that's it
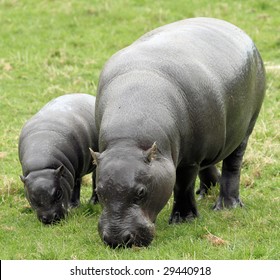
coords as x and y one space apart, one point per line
195 87
54 154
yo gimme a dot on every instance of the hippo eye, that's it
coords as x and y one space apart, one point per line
58 194
140 194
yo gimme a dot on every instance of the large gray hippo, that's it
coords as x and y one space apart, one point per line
169 107
54 154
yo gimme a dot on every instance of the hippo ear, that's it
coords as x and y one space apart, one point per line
59 171
22 178
152 152
95 156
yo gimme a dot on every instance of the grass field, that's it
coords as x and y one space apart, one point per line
49 48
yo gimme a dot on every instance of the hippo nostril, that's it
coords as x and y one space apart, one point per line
55 217
44 220
127 238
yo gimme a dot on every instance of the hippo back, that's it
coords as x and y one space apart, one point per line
196 71
60 134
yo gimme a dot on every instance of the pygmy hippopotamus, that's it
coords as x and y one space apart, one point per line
54 154
170 106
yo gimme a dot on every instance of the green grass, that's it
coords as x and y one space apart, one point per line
48 48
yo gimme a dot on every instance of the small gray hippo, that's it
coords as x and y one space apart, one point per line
170 106
54 155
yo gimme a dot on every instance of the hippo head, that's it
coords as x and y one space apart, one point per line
133 185
46 195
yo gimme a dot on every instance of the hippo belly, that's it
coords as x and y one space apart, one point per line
169 107
54 154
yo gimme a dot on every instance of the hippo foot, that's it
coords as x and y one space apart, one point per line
177 218
230 202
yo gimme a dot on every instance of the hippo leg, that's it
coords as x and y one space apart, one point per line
75 199
184 206
94 198
229 186
209 177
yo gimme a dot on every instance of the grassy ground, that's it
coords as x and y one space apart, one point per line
48 48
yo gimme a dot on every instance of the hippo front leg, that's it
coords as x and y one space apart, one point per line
184 206
94 197
229 185
75 198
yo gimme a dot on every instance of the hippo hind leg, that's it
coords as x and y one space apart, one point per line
209 177
229 183
184 205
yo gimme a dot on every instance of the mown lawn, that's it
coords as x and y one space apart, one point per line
49 48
